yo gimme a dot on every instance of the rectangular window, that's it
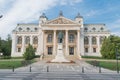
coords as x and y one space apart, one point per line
71 38
71 50
86 50
19 50
49 50
49 38
94 50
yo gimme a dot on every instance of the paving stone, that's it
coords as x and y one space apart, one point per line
59 72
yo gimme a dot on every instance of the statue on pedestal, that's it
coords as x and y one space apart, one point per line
60 37
60 54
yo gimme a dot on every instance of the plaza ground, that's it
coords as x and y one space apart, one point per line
54 71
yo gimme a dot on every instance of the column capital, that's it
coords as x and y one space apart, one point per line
54 30
78 30
89 36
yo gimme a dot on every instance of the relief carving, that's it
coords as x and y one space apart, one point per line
60 21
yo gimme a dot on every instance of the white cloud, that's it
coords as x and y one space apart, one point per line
25 11
115 33
115 25
69 2
22 11
91 13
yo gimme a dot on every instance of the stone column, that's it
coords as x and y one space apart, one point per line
98 44
90 44
14 40
23 44
31 40
78 43
44 43
54 42
66 42
81 41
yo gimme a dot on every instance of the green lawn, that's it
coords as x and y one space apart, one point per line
8 64
106 64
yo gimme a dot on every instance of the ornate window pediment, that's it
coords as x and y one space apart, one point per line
35 40
19 40
94 41
86 40
27 40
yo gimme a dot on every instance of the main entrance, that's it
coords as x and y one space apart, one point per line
71 50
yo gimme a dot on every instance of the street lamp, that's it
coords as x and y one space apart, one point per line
116 52
117 55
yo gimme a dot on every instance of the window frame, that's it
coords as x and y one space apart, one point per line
19 40
49 38
50 50
71 38
71 50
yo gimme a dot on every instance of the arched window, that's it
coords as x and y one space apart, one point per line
86 40
101 39
20 28
28 28
93 29
36 29
49 38
101 28
71 38
19 40
94 40
35 40
27 40
85 29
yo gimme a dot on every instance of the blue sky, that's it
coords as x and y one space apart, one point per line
93 11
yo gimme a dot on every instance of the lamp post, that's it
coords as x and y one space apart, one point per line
116 43
116 51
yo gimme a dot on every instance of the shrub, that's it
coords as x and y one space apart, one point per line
6 57
29 53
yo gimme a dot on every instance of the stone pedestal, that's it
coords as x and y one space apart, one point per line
60 56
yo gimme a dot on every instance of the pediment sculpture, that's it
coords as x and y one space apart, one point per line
60 21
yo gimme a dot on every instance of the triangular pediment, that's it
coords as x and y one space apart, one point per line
61 20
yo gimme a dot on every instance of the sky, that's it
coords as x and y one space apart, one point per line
28 11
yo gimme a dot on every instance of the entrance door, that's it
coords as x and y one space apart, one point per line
71 50
49 50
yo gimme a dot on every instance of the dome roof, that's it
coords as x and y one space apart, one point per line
78 16
43 15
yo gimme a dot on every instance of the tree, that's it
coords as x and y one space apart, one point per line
6 46
29 53
108 49
0 45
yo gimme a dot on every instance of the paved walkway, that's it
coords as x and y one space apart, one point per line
42 66
40 71
58 76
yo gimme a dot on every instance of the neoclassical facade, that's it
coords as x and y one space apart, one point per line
79 39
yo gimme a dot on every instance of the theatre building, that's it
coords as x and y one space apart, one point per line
79 39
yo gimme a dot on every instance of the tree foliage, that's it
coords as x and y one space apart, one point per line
109 45
5 46
29 53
